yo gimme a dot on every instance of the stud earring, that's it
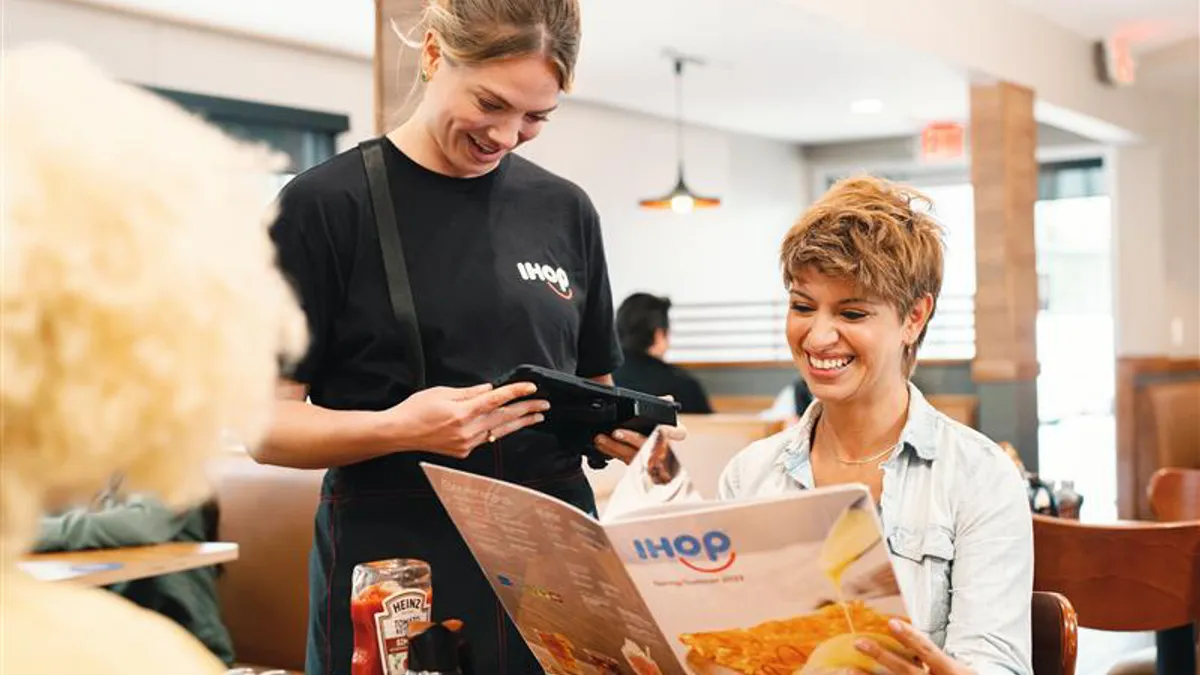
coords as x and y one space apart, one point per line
424 76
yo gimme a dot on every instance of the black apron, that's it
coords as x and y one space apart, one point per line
385 508
359 522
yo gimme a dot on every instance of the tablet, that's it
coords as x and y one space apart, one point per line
581 408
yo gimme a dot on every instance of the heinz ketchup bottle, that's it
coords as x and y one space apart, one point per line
387 595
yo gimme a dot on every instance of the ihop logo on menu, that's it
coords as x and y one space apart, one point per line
710 552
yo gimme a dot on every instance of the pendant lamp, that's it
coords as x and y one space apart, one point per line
680 199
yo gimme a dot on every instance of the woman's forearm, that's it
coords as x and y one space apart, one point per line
306 436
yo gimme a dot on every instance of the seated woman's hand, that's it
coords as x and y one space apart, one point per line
929 657
623 444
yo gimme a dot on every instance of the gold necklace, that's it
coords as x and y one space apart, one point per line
869 460
859 462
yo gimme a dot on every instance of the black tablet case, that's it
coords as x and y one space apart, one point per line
580 408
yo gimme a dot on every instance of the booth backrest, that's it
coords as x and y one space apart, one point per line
269 512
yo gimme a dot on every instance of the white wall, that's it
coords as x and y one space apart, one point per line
1157 214
1156 241
1135 182
729 253
618 157
197 60
1183 229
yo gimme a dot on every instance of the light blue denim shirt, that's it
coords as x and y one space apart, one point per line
956 519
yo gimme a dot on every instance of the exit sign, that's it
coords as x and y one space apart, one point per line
1115 64
942 141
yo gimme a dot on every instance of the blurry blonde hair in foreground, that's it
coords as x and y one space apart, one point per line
142 310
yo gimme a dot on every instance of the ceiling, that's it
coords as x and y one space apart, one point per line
796 83
342 25
1148 24
1163 34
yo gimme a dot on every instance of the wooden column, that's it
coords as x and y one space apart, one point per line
396 87
1004 174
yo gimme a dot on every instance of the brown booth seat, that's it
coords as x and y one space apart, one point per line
1170 436
269 512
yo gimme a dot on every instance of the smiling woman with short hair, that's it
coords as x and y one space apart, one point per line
863 267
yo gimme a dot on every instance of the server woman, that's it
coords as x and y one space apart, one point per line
506 266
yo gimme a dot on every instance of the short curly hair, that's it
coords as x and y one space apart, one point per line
143 313
869 231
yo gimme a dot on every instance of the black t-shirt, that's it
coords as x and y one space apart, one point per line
506 268
647 374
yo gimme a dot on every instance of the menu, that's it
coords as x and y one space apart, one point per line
776 586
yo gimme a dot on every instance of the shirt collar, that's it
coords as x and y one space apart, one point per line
917 436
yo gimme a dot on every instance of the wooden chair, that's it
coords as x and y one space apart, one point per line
1133 576
1174 494
1055 634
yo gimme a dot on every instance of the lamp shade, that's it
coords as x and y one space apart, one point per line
680 199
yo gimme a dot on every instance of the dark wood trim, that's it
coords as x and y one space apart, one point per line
741 403
1003 371
395 68
377 69
766 365
1131 485
714 365
1068 164
944 363
961 407
254 112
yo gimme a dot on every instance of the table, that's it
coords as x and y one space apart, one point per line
103 567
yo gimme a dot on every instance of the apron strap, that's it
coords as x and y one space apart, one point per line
399 288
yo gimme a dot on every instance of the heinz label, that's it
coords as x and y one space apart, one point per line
391 625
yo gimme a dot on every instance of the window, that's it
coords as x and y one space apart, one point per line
305 137
1075 279
952 330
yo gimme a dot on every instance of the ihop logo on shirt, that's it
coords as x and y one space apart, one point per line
710 552
555 277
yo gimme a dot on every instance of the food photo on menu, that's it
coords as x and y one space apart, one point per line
690 588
